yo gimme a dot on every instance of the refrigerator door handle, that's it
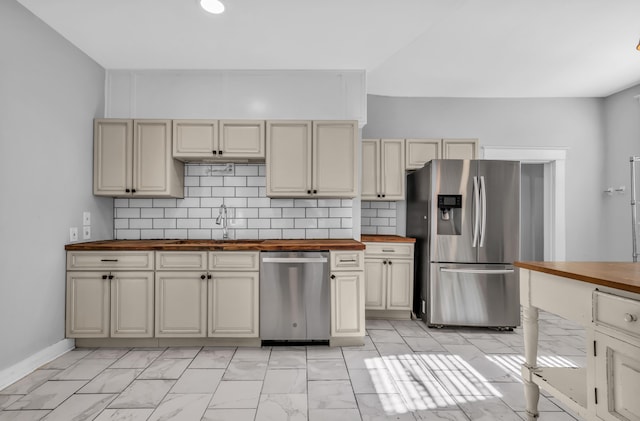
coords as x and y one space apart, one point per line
483 201
476 204
479 271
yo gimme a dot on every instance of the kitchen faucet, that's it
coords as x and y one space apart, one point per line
222 217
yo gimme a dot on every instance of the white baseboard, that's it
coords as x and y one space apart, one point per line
17 371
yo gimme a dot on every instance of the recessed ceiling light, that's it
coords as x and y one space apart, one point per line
212 6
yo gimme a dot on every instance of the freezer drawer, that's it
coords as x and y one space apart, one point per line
473 295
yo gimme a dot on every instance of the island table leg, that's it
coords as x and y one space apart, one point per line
531 390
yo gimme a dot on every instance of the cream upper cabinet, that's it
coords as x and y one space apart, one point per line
133 158
311 159
347 294
420 151
218 140
459 148
383 173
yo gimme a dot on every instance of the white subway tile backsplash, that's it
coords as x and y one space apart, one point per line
153 212
378 218
317 213
176 212
293 213
270 212
305 203
251 214
147 234
305 223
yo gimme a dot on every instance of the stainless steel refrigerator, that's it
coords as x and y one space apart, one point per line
465 216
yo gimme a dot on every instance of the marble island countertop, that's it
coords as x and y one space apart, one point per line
619 275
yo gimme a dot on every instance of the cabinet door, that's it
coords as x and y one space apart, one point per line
242 139
181 304
233 304
392 174
420 151
459 148
132 305
87 305
399 284
617 378
334 158
374 284
195 139
370 169
151 153
112 157
347 304
288 158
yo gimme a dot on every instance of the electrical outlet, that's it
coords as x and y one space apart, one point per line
86 218
86 232
73 234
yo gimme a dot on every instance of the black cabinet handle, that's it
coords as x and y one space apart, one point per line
215 152
104 276
333 276
209 276
202 276
384 262
109 260
308 191
383 195
219 152
127 190
110 276
390 262
315 191
378 195
133 190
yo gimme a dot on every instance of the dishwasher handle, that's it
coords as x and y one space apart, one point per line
294 259
478 271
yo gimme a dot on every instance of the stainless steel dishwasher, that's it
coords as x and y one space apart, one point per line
294 296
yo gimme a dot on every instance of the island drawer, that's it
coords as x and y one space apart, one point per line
617 312
181 260
347 260
234 260
399 250
110 260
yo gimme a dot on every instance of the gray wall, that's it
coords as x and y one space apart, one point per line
622 138
49 94
576 123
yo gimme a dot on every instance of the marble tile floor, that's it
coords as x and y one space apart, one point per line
405 371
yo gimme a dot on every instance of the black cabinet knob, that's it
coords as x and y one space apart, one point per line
390 262
110 276
308 191
215 152
315 191
202 276
219 152
209 276
127 191
133 190
378 195
104 276
333 276
384 262
383 195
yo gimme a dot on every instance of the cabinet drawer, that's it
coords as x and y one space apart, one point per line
185 260
109 260
402 250
234 260
347 260
617 312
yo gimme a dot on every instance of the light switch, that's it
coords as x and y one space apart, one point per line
86 232
73 234
86 218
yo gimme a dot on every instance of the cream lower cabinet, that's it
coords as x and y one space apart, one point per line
389 276
234 294
181 294
347 294
109 294
311 159
383 172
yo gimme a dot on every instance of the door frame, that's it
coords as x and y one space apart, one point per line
554 190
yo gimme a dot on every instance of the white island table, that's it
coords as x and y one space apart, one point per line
604 297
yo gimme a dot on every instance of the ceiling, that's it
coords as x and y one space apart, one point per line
416 48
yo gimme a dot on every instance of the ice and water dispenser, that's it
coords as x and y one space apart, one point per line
449 214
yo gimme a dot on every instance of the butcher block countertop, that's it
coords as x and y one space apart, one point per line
217 245
386 239
619 275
